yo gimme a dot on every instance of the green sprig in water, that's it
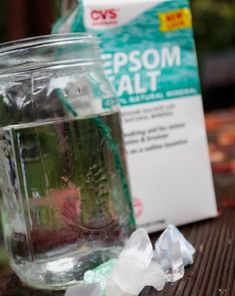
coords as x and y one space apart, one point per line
105 130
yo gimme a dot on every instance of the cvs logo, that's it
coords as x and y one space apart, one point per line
103 16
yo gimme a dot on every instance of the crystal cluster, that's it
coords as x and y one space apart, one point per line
173 252
134 269
100 274
140 265
84 290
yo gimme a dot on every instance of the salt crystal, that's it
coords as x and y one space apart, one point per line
154 276
114 290
137 267
84 290
137 254
173 252
134 269
138 248
128 276
132 279
100 274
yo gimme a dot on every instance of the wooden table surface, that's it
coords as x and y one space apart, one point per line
212 274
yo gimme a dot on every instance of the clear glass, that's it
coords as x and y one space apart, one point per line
65 201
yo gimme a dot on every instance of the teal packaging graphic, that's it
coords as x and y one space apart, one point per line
149 56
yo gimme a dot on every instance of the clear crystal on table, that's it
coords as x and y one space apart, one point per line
138 248
173 252
128 276
100 274
84 290
131 278
134 269
154 276
113 289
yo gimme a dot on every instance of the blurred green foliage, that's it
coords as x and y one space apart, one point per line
58 8
3 258
214 23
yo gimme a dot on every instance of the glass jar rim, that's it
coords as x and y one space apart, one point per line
56 50
52 39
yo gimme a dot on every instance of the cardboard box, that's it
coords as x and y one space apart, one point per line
149 55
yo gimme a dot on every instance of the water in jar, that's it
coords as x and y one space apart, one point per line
65 197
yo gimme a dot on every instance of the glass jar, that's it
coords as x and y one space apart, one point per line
66 206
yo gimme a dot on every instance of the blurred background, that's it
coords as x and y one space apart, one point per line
214 23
